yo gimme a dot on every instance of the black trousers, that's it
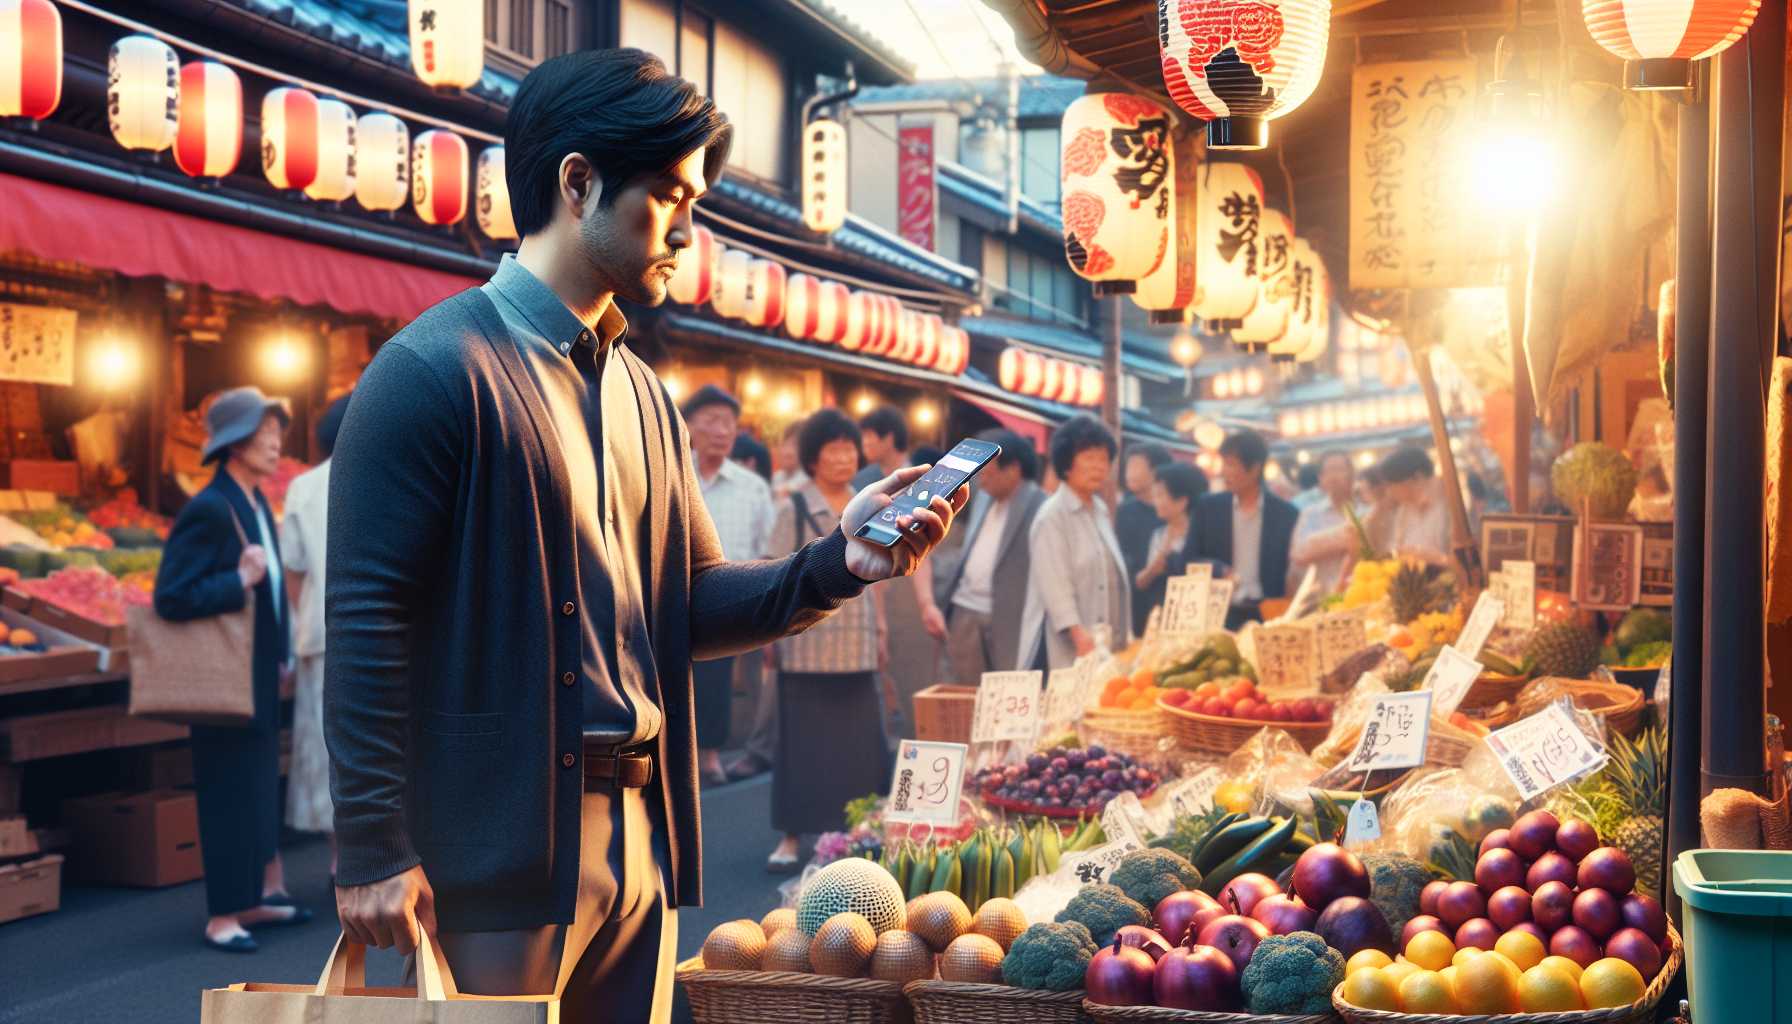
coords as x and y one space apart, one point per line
237 775
713 684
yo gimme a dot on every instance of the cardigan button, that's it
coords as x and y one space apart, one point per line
567 760
567 608
566 680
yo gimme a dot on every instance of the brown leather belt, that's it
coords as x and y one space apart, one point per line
611 767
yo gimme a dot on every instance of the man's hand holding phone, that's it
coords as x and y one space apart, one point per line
919 531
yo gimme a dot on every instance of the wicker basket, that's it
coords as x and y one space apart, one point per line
1490 690
1640 1012
943 713
1213 734
1620 706
731 997
1135 733
1160 1015
1445 743
959 1002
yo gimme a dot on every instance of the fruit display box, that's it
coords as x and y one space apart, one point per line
62 654
100 633
56 733
16 599
31 887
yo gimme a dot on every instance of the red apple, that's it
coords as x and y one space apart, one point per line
1196 978
1575 839
1498 869
1644 912
1421 923
1479 933
1551 867
1635 945
1596 911
1177 698
1283 914
1552 906
1496 840
1327 872
1534 834
1140 937
1575 944
1428 897
1305 710
1607 868
1509 907
1215 707
1530 928
1461 902
1235 936
1120 975
1175 911
1242 894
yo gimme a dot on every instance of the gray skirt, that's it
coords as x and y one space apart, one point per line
830 749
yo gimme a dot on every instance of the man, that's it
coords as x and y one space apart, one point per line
982 616
1136 520
885 439
521 572
1324 537
1418 506
1245 528
740 505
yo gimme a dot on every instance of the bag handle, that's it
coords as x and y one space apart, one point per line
347 968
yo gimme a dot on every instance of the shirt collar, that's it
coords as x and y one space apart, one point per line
548 315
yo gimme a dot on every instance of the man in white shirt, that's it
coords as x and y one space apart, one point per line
1421 509
740 504
981 593
1323 536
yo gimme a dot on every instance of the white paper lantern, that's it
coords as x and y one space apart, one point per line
448 42
858 322
30 58
1306 306
1092 387
729 297
209 140
439 186
1116 200
908 336
694 280
143 93
824 176
1229 223
335 179
830 325
1237 64
382 162
955 353
1319 338
289 138
1662 37
1057 373
764 303
1268 319
1168 291
885 320
492 197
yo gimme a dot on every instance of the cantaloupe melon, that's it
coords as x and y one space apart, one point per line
853 884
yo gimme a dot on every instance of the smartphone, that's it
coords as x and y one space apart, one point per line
952 471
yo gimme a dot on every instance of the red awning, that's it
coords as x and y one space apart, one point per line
53 222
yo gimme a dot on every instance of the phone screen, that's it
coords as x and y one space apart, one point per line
947 475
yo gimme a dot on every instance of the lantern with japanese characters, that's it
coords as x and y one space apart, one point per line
695 279
491 192
1320 335
335 179
1116 194
1307 306
30 58
824 176
1091 386
1659 39
1268 319
439 184
143 93
289 138
1238 64
1168 291
382 162
1228 222
209 140
729 297
763 305
448 42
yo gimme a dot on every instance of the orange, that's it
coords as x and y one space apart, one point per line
1371 989
1426 992
1462 955
1522 948
1399 971
1431 950
1235 796
1449 976
1486 984
1142 703
1611 982
1206 690
1564 964
1546 989
1365 958
1143 677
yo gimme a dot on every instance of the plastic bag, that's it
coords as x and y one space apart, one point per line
1438 816
1276 767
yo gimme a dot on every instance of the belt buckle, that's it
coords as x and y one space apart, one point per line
615 759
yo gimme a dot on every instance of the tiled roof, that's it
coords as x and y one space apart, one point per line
1040 95
859 34
961 182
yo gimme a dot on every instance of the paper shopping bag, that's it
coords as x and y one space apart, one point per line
341 996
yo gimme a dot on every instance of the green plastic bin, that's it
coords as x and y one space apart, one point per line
1738 932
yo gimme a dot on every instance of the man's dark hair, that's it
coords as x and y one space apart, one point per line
706 396
1308 477
1015 448
621 110
1249 448
1079 434
1153 453
823 427
1406 463
330 424
887 421
1182 480
1371 477
747 449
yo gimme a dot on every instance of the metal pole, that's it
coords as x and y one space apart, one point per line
1111 374
1524 402
1692 334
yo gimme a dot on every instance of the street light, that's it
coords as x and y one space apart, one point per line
113 363
1184 348
1516 165
285 359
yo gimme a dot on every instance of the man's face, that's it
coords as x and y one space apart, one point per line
632 244
1237 478
878 447
713 429
1000 481
1336 477
1140 477
260 454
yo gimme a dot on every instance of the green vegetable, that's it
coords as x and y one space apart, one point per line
1494 663
1188 835
1259 853
1292 974
1051 842
1001 876
1104 910
920 873
1643 626
1394 884
1053 957
1150 875
1596 473
1228 841
1652 653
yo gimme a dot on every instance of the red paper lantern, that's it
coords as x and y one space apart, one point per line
289 138
1115 165
802 299
439 185
927 349
1051 384
764 304
209 140
1237 64
1091 387
1008 369
886 317
30 58
1663 37
858 322
1032 374
959 347
830 324
908 336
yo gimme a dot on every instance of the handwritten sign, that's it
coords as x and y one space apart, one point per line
1489 609
1007 708
1093 866
1608 566
1123 819
1515 584
1545 750
37 344
1395 734
1193 795
1286 657
1363 824
925 787
1154 622
1065 697
1219 601
1185 601
1451 676
1341 635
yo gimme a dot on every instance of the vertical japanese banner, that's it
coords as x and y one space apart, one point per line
915 188
1411 126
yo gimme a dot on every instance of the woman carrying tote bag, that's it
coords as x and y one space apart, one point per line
222 553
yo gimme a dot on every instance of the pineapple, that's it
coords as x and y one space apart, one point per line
1563 649
1636 782
1414 591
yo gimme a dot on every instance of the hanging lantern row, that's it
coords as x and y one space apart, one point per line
1361 414
1659 39
1228 254
1116 169
1029 373
1238 64
1240 382
1268 318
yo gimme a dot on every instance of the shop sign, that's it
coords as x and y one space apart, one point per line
1007 708
1608 565
37 344
1545 541
916 197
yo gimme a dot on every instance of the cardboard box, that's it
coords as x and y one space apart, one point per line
56 733
16 839
51 475
146 839
164 767
31 887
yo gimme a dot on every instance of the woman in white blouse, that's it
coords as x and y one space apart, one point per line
1077 588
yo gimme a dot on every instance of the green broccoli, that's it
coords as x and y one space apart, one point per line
1292 974
1395 881
1149 875
1053 957
1104 910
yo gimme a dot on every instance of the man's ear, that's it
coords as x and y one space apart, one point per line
579 183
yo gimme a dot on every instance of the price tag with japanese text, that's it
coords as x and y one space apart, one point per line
1516 587
1341 635
1451 676
1185 601
1489 610
927 782
1395 733
1363 824
1124 818
1065 697
1545 750
1193 795
1093 866
1007 708
1219 601
1287 658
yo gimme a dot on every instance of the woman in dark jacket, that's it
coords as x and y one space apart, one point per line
223 549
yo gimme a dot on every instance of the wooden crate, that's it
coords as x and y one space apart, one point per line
58 733
99 633
65 655
943 712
